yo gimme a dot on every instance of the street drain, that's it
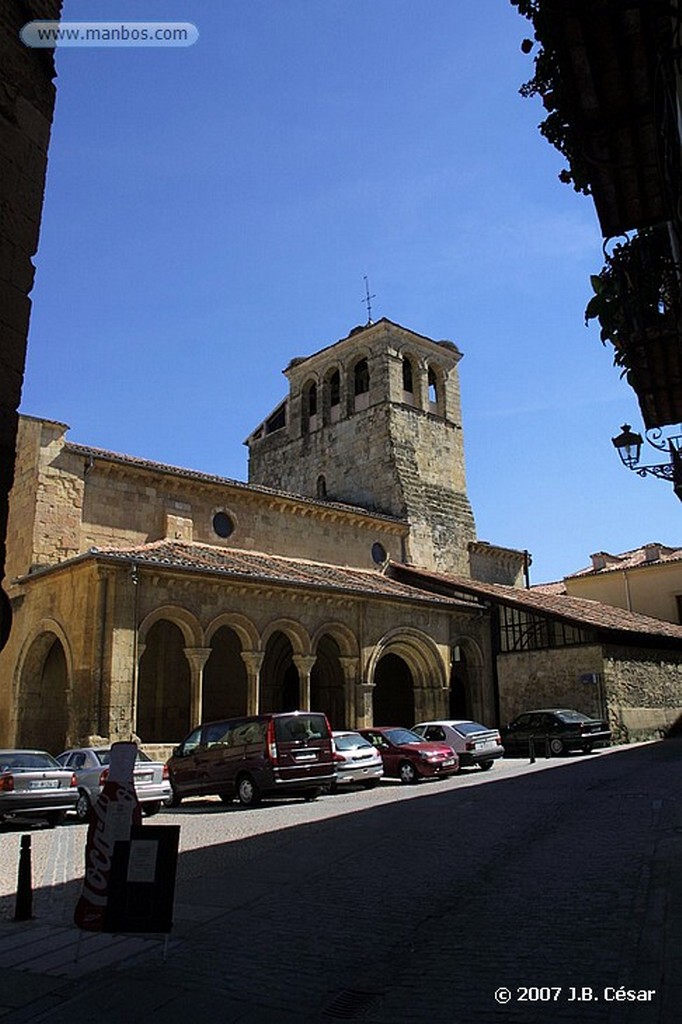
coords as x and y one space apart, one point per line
350 1005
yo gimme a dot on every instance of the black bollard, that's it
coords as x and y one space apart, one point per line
23 910
531 750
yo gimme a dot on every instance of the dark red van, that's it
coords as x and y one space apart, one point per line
256 756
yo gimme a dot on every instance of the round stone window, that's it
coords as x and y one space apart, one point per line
379 553
222 524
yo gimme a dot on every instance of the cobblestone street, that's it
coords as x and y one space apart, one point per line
559 882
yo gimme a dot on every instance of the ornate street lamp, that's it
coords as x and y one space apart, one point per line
629 447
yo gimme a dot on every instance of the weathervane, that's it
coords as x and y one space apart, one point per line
368 300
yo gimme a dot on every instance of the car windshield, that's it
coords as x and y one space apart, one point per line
572 716
399 736
351 741
104 756
467 728
25 760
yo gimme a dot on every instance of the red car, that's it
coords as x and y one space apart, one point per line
408 757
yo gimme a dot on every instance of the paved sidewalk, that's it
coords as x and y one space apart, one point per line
309 925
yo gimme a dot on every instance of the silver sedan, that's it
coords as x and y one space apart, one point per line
90 765
34 785
356 760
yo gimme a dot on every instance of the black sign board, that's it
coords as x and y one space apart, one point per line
142 880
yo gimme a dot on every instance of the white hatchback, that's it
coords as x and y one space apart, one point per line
475 744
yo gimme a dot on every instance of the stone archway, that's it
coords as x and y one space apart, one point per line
407 672
43 707
163 691
327 683
458 694
465 688
280 681
393 692
224 690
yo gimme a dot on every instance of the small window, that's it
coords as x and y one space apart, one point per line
361 375
408 382
335 388
222 524
277 420
311 399
321 487
433 388
379 554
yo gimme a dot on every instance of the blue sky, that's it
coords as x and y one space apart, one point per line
211 211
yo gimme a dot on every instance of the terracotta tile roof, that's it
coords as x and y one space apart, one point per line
209 478
576 610
550 588
259 567
649 554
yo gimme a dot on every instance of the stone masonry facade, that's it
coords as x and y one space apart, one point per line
375 421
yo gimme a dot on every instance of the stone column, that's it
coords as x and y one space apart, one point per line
304 663
253 661
349 667
197 658
364 705
420 383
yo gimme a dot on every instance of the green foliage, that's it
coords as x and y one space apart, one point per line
547 82
636 291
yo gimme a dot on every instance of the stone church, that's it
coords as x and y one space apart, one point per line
345 576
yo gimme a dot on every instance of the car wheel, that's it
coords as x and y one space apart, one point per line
151 808
485 766
311 794
248 792
557 747
174 800
407 772
82 806
55 818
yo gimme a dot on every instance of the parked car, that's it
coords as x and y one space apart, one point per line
256 756
408 757
356 759
475 744
91 768
561 729
33 784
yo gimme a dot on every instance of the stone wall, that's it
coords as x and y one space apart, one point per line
66 502
26 108
551 678
644 691
639 691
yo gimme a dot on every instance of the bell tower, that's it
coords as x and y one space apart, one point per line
374 420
